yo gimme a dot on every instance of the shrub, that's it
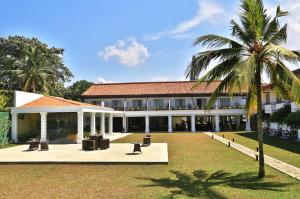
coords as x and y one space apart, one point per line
293 120
279 115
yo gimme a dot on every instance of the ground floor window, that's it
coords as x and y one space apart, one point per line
29 126
62 127
181 123
136 124
158 123
204 123
232 122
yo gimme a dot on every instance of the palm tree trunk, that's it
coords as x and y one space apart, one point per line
261 171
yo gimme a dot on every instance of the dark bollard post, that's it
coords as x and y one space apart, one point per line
212 136
232 139
228 144
256 157
257 148
223 135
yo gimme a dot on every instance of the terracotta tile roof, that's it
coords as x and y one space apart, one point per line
49 101
297 72
149 89
269 85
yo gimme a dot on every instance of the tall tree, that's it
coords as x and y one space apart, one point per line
30 65
193 64
76 89
256 47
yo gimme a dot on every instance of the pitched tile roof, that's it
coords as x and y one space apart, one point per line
49 101
269 85
150 89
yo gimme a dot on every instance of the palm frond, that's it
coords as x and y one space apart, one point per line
215 41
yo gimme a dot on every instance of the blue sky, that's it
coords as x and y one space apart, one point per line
128 40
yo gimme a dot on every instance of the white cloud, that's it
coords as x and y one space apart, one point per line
207 11
101 80
127 52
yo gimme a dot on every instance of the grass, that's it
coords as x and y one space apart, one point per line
276 147
199 167
7 146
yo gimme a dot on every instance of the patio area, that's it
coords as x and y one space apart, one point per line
156 153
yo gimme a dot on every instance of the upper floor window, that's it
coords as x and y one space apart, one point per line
267 98
137 103
224 101
94 102
179 102
279 99
201 102
116 103
158 102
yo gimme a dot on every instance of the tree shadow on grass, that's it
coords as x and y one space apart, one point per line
289 145
201 184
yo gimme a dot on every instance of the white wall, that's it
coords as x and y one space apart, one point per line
21 98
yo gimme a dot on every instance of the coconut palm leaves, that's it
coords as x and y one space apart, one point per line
34 71
255 48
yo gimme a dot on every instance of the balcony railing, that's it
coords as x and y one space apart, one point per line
158 108
136 108
188 107
236 106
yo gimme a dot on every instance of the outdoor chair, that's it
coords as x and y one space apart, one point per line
88 145
33 145
104 144
97 138
44 146
146 141
137 148
286 134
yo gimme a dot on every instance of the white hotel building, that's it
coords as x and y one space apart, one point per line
168 106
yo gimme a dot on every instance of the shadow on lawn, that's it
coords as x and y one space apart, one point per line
278 142
201 184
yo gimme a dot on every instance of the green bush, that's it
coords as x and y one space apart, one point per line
279 115
4 127
293 120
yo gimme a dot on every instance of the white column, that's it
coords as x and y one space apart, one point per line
14 127
124 124
147 130
217 103
147 104
170 130
103 124
217 123
110 125
193 123
79 127
102 103
43 126
93 123
125 105
248 124
170 105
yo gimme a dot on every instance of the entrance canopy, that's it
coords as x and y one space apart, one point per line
33 103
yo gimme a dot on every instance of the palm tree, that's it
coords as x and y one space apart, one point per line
256 47
34 71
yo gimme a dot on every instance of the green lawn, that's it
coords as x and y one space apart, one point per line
7 145
199 167
276 147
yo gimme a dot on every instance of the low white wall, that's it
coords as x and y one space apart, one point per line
21 98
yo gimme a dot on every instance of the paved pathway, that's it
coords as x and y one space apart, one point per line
276 164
